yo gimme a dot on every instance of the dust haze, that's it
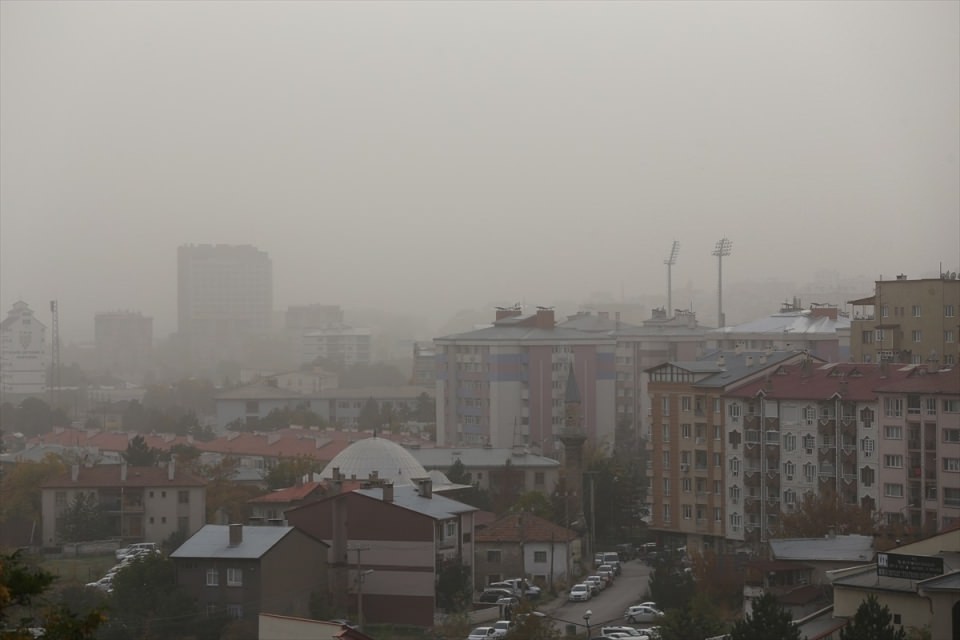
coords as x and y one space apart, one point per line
423 159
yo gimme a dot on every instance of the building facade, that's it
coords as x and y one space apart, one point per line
339 343
909 321
224 299
504 385
23 353
688 442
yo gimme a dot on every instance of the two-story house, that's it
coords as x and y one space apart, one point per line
139 503
525 545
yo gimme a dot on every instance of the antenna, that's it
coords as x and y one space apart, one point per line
672 260
721 249
55 353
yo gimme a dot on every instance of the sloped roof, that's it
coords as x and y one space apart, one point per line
793 323
107 476
442 458
856 382
946 582
734 366
407 497
596 323
388 460
514 333
847 548
942 382
213 541
290 494
524 527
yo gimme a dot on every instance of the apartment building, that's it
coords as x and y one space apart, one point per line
912 321
337 343
808 427
23 354
687 442
504 384
919 449
224 299
140 503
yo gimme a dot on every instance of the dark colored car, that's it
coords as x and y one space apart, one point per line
490 596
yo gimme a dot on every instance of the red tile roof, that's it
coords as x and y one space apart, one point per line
525 527
856 382
942 382
291 494
107 476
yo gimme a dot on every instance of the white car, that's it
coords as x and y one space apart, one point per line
623 631
482 633
579 593
137 548
641 613
596 581
501 628
104 584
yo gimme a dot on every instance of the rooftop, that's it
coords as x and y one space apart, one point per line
821 381
213 541
525 527
107 476
803 323
480 457
848 548
725 368
408 497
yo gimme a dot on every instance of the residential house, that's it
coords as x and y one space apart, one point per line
246 571
528 546
404 533
270 508
140 503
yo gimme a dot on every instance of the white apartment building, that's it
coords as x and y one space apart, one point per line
337 343
23 353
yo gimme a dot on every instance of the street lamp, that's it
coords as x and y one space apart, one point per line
360 579
586 618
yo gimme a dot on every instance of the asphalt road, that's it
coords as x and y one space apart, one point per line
608 606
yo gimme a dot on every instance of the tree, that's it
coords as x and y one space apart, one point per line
671 587
369 417
83 520
289 471
768 620
718 578
819 514
696 620
454 591
535 502
872 622
458 474
20 496
226 499
426 409
139 454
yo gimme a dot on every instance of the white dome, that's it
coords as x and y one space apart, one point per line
388 459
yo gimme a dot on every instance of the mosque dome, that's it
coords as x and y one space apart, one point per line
390 460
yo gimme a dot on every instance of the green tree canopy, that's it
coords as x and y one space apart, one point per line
369 417
458 474
83 520
671 587
698 619
289 471
768 620
139 454
872 622
535 502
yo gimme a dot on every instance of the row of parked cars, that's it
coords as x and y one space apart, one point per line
592 585
511 588
124 556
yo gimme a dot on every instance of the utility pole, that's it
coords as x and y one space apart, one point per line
361 574
721 249
670 261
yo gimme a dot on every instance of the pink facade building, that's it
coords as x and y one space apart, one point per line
504 385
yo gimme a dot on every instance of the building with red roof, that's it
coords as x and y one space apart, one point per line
270 508
524 545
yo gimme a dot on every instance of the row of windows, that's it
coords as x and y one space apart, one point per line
234 577
915 310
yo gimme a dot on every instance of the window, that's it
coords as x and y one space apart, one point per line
151 519
685 430
665 405
809 442
717 514
235 610
951 497
666 513
931 406
789 469
717 460
687 512
717 432
948 335
735 466
915 335
884 311
893 461
539 478
163 494
951 406
60 498
951 464
686 403
867 445
539 557
716 405
866 337
685 457
867 476
213 578
949 358
183 524
893 407
735 492
893 490
809 472
493 556
717 487
666 486
915 309
687 485
183 497
790 496
666 459
951 435
666 433
789 441
735 410
234 577
893 432
451 529
948 311
878 335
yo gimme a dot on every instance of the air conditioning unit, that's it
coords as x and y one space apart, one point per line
684 467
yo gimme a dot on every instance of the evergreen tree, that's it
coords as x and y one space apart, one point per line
458 474
671 587
369 417
138 454
83 520
768 620
872 622
697 619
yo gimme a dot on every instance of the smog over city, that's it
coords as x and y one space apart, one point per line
429 158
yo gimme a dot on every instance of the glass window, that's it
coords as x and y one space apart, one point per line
234 577
213 578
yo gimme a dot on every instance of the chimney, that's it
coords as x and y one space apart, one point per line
544 319
172 468
236 534
123 472
424 487
75 471
749 361
721 361
388 492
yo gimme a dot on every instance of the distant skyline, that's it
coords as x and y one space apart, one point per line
424 158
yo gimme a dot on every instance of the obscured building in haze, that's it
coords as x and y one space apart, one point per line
337 343
911 321
23 354
124 342
224 299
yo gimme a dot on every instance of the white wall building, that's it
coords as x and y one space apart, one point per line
337 343
23 353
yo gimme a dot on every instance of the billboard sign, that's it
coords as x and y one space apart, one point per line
901 565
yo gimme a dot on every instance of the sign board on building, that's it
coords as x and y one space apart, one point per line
901 565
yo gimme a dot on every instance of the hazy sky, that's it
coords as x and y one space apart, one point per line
437 155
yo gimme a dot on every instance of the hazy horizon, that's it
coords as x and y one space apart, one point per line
425 158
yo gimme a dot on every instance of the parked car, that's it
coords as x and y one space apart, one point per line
529 591
626 631
502 628
104 584
509 586
579 593
139 547
595 583
490 596
606 574
482 633
641 613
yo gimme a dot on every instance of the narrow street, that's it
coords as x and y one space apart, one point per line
606 608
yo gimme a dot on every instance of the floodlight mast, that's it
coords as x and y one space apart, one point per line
672 260
721 249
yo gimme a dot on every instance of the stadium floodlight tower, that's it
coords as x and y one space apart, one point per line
672 260
721 249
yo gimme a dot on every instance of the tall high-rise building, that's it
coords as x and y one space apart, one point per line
124 341
224 298
23 353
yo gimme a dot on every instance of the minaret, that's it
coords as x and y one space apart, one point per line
573 438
